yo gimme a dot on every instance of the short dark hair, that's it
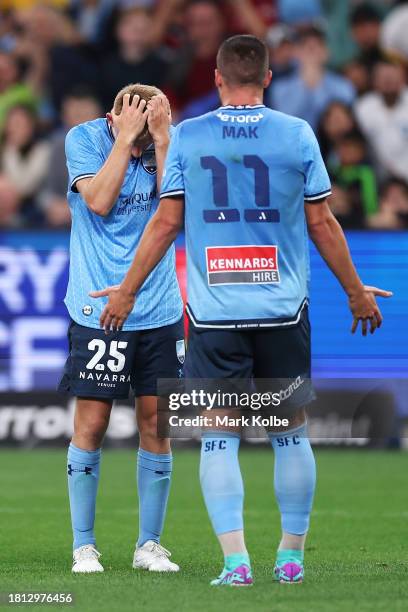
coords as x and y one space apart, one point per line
311 31
364 13
353 136
243 60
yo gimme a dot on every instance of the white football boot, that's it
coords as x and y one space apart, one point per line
153 557
86 560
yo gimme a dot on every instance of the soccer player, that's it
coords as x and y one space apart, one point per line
249 181
115 168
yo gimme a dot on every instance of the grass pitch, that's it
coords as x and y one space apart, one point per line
356 558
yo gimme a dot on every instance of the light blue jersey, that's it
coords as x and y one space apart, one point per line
245 173
102 248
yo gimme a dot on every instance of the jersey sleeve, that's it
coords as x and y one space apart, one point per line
83 158
316 179
173 180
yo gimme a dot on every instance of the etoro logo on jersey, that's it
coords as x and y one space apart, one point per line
242 265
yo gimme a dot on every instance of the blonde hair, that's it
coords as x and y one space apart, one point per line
146 92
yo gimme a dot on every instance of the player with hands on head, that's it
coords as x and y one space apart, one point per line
115 167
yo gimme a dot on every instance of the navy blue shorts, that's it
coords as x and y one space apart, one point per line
106 366
274 359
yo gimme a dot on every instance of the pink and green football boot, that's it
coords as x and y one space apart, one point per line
289 567
240 576
237 572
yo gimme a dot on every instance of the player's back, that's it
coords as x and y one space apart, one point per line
247 171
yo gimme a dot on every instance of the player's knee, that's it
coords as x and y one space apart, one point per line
149 438
148 425
89 434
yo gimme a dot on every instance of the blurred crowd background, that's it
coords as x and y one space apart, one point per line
340 64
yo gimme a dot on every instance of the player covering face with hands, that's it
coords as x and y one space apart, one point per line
248 181
115 167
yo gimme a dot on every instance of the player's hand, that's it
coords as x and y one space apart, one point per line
118 308
132 119
159 119
364 308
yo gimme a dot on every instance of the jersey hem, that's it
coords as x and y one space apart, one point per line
164 323
248 323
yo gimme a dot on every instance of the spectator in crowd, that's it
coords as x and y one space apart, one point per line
358 74
394 30
266 9
9 204
78 107
25 158
91 17
337 28
336 121
383 118
24 4
70 61
192 73
341 205
254 19
250 16
12 89
54 54
393 212
298 11
354 177
365 28
280 41
307 93
167 21
134 60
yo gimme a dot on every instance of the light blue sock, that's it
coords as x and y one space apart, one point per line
221 481
153 483
295 478
83 478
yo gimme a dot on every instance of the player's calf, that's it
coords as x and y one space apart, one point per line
223 491
154 470
295 481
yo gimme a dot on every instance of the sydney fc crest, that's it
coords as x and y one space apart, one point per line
149 161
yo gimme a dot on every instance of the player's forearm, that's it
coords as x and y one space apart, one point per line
156 240
331 243
103 190
161 152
